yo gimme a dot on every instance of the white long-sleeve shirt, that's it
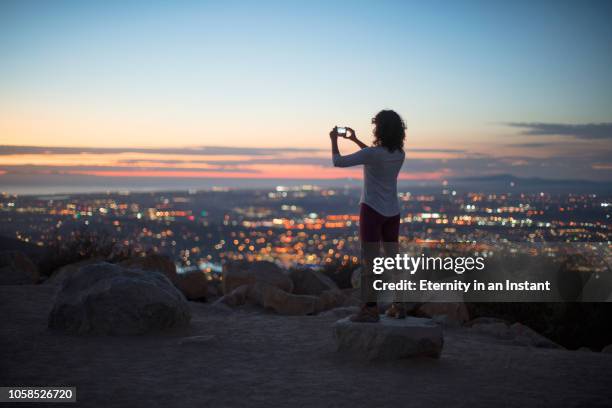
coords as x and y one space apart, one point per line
380 170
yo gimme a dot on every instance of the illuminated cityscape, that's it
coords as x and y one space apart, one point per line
304 225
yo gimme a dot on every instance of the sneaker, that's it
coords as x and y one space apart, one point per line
367 314
396 311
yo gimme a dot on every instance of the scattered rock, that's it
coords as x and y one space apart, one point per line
341 311
17 269
390 338
352 297
330 299
108 299
248 273
255 294
517 332
410 307
526 336
310 282
496 329
153 262
456 312
607 349
214 288
356 278
571 324
271 297
341 275
236 297
445 321
289 304
194 285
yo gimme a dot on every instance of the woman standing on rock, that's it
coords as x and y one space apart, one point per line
379 217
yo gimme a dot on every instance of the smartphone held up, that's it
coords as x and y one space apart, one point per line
342 131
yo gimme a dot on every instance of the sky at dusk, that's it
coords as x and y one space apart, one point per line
251 89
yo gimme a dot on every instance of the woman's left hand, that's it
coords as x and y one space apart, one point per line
350 134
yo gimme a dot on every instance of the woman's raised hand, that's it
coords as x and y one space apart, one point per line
350 134
334 133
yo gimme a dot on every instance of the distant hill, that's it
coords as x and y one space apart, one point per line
18 184
508 182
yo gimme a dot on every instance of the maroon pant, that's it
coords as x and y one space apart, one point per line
375 227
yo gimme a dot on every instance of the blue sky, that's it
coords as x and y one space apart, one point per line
280 74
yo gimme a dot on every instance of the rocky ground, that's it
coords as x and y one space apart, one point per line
246 357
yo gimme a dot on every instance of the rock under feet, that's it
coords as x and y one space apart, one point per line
390 339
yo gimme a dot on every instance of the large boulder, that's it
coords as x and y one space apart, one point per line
390 339
194 285
17 269
236 274
287 303
307 281
59 275
108 299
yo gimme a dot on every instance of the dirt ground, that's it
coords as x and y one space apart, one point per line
249 358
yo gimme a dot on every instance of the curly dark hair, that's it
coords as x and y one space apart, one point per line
389 130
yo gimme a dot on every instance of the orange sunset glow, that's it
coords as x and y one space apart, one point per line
184 94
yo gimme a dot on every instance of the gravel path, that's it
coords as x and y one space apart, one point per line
249 358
